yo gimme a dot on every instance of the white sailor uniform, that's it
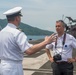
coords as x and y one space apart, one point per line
13 43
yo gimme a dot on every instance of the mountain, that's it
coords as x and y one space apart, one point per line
28 30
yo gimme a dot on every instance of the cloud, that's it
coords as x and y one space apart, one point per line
41 13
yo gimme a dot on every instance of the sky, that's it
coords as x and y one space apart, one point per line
41 13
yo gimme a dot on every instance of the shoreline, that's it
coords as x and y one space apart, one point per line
35 41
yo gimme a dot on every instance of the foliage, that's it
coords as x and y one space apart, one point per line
28 30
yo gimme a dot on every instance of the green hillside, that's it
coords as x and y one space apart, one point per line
28 30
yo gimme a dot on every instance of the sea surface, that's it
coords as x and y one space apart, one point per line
35 37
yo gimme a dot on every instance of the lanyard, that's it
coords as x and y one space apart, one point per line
63 42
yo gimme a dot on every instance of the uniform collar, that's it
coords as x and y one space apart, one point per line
61 36
12 25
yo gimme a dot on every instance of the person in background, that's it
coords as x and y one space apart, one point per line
62 61
13 44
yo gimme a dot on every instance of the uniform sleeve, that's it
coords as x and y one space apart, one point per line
73 42
22 42
49 46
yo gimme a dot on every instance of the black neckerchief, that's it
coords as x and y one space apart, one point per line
20 29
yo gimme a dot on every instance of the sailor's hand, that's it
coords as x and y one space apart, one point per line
50 39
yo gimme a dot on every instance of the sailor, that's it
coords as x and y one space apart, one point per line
13 44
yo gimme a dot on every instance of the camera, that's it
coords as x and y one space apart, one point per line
57 57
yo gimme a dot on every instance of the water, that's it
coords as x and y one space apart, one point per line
35 37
